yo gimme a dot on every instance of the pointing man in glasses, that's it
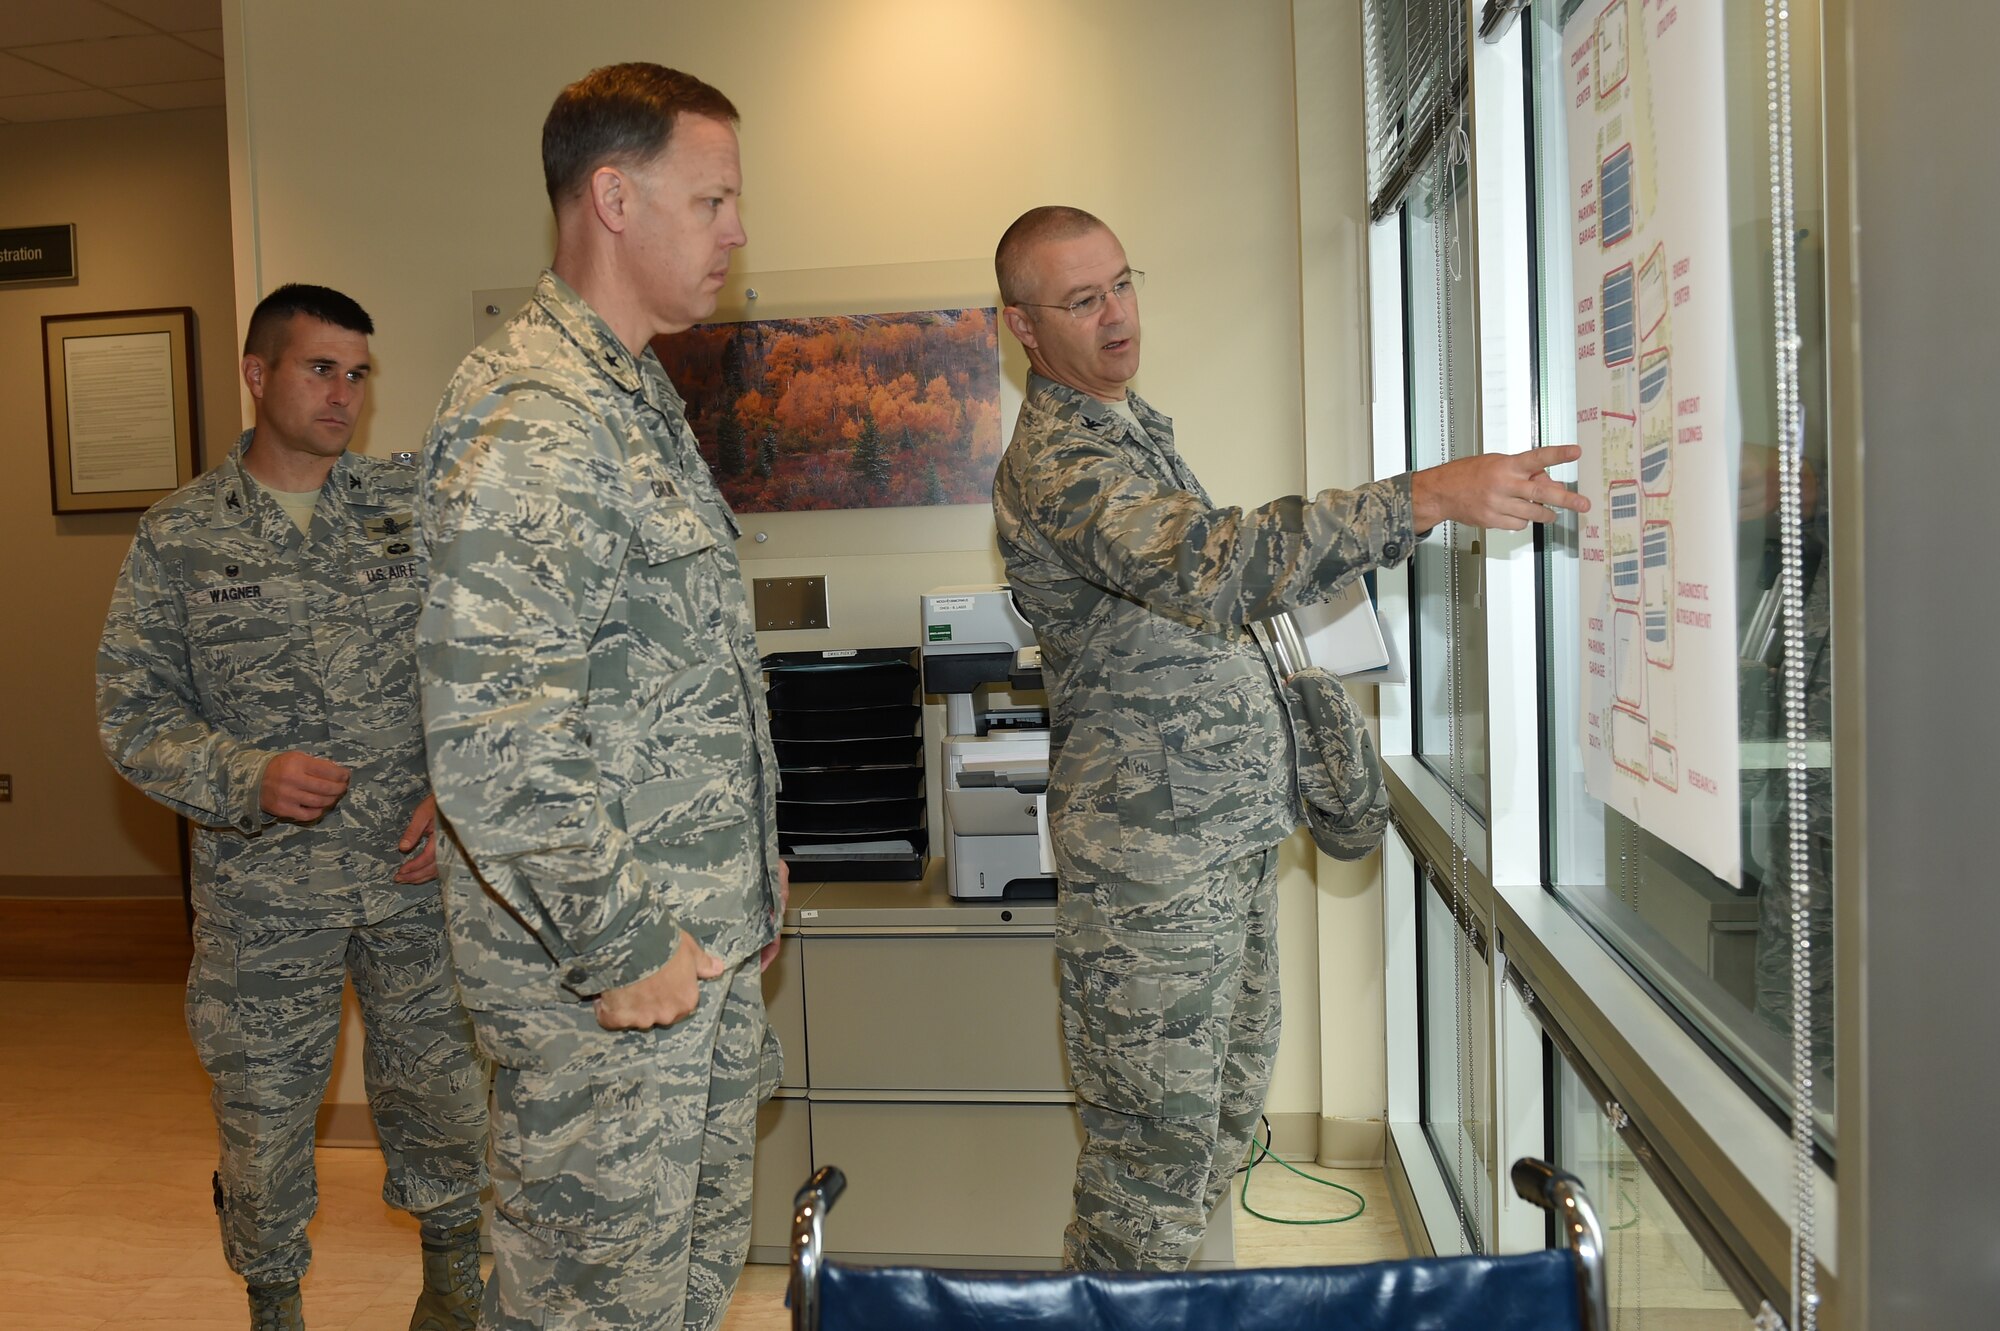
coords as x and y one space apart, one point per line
1168 794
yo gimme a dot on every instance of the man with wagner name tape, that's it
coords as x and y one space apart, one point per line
258 675
1168 790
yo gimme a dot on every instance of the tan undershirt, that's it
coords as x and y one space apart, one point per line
298 504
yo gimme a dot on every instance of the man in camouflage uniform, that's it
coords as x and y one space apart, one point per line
1170 786
258 676
598 739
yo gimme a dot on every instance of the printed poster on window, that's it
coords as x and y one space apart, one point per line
1657 419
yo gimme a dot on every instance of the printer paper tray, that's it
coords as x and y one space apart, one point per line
991 811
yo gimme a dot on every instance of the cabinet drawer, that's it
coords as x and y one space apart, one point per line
934 1012
980 1184
961 1181
784 1163
785 1008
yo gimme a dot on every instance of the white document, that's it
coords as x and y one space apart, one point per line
120 391
843 849
1345 635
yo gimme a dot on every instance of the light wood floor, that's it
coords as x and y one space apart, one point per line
106 1146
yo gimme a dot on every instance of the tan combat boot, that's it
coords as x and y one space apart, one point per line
450 1301
276 1308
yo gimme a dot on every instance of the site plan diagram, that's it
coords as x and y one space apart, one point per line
1656 419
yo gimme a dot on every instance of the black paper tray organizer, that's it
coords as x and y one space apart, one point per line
852 783
850 754
848 727
846 723
871 817
818 858
860 677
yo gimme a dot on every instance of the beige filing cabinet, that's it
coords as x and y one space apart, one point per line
923 1055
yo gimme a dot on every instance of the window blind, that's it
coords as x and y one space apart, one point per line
1415 62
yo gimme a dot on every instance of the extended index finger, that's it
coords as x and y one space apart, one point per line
1554 455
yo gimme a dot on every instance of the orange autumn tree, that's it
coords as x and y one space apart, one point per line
845 411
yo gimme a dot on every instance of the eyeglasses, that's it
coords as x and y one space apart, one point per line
1125 289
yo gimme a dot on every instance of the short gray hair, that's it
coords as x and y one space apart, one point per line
1050 222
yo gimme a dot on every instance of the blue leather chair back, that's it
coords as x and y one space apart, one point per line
1529 1292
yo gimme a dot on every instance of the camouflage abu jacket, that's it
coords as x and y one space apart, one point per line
1169 749
593 702
233 637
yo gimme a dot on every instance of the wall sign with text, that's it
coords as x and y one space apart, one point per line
38 254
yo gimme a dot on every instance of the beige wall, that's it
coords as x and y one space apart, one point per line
150 198
1333 222
391 150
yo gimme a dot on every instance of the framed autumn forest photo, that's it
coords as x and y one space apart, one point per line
844 411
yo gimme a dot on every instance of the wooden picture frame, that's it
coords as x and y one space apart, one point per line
120 392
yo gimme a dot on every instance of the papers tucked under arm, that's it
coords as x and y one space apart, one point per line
1345 634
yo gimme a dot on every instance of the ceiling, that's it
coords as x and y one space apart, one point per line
72 59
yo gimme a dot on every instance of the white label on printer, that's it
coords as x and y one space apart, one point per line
945 605
838 651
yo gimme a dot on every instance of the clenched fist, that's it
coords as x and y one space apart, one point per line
301 787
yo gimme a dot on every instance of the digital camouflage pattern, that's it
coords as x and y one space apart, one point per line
1171 1018
594 710
1342 797
1169 751
233 637
1171 781
622 1169
592 692
263 1006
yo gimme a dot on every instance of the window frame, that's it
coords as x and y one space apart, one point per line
1722 1150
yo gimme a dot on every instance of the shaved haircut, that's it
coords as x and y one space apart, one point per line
1052 222
272 319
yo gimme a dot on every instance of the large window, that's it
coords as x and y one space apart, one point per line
1695 903
1593 777
1425 264
1457 1072
1662 1271
1448 627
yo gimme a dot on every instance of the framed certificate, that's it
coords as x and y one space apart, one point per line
122 428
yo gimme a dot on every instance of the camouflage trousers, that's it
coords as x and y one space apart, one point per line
622 1162
1170 1014
264 1010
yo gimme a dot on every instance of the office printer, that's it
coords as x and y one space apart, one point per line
979 655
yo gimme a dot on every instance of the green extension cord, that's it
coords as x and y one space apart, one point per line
1264 1152
1627 1201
